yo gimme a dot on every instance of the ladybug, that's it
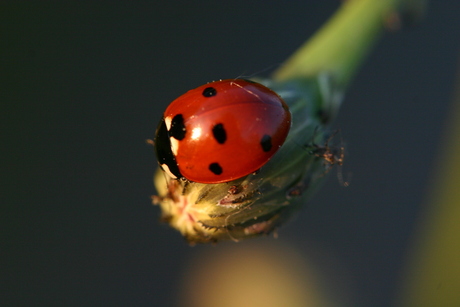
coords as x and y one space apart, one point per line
221 131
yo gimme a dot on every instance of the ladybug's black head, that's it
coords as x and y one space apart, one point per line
165 156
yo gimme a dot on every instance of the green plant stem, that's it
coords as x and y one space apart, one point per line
341 45
432 275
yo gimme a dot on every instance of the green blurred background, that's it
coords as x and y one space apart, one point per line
83 84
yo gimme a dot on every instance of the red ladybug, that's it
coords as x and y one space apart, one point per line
221 131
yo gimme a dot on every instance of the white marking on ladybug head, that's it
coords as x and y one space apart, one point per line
168 121
196 133
174 145
167 171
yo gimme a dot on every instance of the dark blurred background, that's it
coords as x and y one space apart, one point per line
83 85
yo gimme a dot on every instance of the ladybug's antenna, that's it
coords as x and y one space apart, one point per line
259 72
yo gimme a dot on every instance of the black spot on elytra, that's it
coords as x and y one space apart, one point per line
163 150
177 130
219 133
266 143
215 168
209 92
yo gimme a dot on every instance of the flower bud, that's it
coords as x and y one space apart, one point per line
260 202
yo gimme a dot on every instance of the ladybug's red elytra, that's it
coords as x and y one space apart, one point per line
221 131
